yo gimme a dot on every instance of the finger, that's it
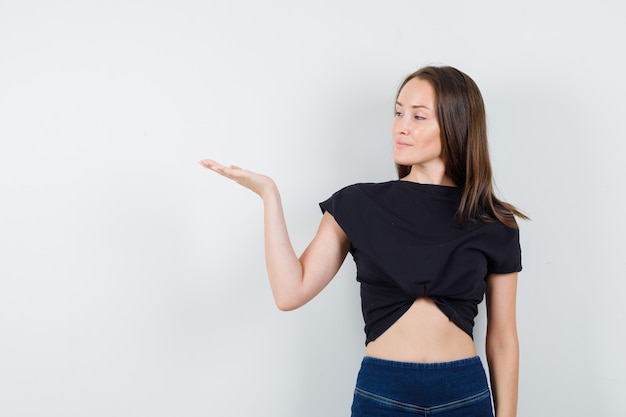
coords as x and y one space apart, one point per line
232 172
208 163
229 172
212 165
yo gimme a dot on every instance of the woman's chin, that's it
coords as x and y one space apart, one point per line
402 161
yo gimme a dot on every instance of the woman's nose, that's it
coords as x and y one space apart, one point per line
401 126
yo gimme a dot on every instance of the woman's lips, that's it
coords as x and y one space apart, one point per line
402 145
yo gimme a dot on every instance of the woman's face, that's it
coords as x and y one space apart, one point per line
416 134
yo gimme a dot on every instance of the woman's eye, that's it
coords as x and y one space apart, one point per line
418 117
397 113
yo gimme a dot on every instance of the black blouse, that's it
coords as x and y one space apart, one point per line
407 243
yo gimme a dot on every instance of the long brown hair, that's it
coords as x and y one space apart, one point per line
462 121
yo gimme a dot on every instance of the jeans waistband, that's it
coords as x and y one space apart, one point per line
371 361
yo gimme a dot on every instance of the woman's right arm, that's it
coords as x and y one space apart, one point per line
294 280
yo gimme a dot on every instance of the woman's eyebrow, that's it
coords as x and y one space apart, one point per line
415 106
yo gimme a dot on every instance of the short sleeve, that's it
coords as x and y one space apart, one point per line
504 254
341 205
329 204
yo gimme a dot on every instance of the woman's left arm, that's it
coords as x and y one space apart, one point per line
502 344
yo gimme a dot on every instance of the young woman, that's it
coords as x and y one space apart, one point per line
428 247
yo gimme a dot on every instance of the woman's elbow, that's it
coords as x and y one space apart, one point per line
284 306
287 303
502 344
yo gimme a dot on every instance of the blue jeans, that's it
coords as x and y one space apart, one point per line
402 389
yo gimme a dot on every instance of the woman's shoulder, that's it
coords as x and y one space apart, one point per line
357 195
370 185
399 190
364 188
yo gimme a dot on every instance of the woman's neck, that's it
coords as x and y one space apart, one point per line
424 175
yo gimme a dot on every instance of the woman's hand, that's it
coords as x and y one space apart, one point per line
294 280
260 184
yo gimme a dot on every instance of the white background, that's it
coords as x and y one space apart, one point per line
132 280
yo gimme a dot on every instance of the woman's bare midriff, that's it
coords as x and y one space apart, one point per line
423 334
